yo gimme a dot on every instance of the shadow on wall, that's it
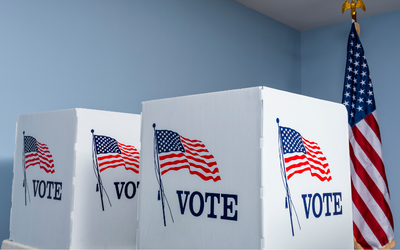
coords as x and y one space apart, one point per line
6 177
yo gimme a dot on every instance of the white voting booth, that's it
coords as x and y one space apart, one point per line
76 180
252 168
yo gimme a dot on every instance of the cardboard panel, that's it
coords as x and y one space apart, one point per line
187 204
320 212
86 195
40 214
115 226
200 212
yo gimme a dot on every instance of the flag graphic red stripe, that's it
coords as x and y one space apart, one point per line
129 158
298 161
41 158
191 155
301 168
303 163
165 163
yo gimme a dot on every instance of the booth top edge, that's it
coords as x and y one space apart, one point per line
261 89
75 110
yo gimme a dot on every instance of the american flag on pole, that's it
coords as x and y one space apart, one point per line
111 154
302 155
37 154
372 215
176 152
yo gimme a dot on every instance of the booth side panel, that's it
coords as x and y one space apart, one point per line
306 204
106 194
220 209
42 185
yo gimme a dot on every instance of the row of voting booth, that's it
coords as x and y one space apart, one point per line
252 168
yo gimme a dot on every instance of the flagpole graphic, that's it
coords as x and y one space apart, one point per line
25 183
99 186
173 152
288 199
372 215
157 169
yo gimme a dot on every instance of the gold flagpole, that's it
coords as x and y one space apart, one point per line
353 6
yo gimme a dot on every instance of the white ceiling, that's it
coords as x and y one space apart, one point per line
309 14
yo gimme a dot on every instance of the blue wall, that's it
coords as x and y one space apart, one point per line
112 55
323 62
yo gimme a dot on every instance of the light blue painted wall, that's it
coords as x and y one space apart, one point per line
323 54
112 55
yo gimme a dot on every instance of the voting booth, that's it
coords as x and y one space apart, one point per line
252 168
76 180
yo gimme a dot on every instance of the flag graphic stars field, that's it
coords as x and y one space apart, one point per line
176 152
37 154
302 155
372 215
112 154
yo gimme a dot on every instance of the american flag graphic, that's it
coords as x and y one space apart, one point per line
112 154
37 154
176 152
372 215
302 155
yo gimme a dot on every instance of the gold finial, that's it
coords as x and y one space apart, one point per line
353 6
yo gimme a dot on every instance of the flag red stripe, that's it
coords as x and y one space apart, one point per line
132 169
370 153
176 162
28 163
173 155
110 166
303 157
45 160
309 142
170 156
368 217
46 169
373 123
197 147
116 160
196 158
372 188
315 148
193 141
33 158
321 178
199 150
301 164
325 165
108 156
199 160
360 238
206 178
34 162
